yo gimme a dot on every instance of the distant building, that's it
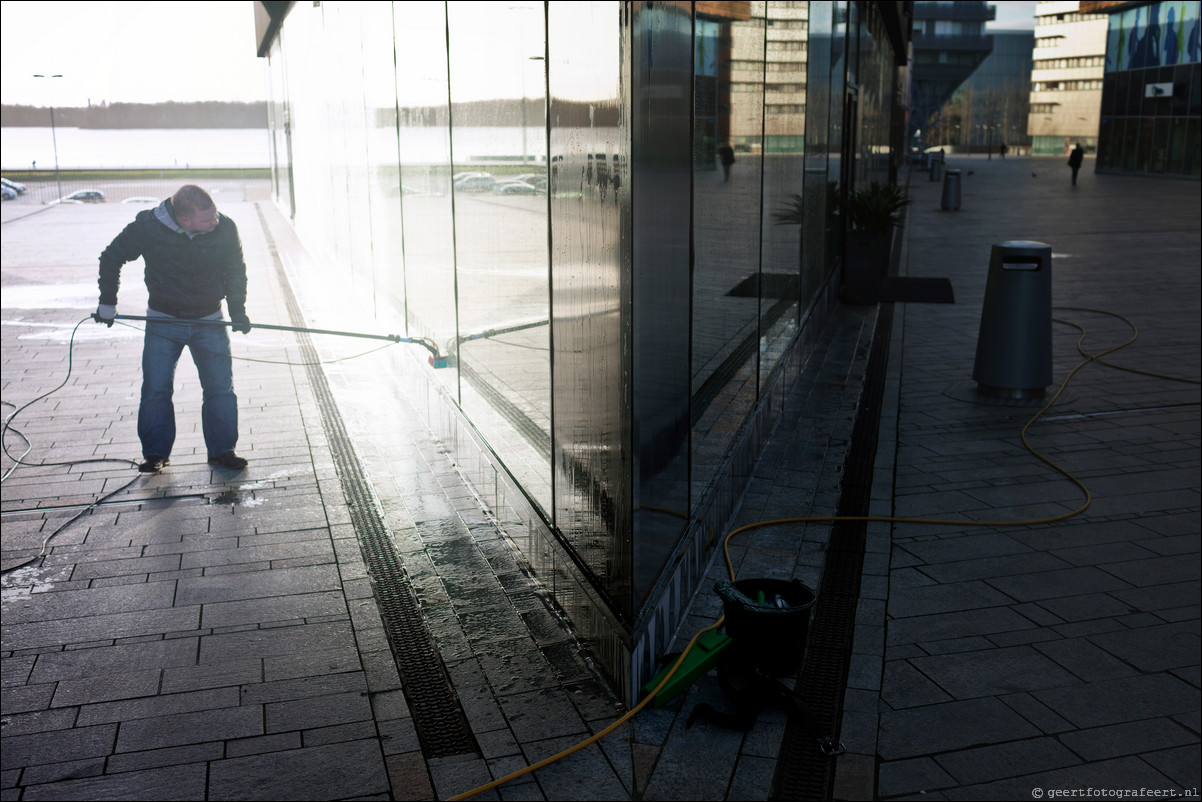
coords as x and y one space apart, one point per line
991 106
1152 90
1066 77
949 43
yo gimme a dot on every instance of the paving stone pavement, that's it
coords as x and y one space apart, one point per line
203 635
1019 660
207 636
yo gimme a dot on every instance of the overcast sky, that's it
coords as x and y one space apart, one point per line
130 52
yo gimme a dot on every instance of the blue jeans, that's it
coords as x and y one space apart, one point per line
210 349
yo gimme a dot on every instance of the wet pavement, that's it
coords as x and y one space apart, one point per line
204 635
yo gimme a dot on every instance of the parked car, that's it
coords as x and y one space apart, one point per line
523 184
82 196
141 199
14 186
7 193
475 183
518 188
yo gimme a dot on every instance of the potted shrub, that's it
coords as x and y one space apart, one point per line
792 212
871 215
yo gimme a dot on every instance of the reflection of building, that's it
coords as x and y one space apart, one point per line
619 344
994 100
1152 90
751 77
1066 77
949 44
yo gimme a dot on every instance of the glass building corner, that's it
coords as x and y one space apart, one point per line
613 219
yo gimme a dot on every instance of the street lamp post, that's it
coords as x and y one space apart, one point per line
54 139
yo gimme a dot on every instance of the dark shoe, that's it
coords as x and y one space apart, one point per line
153 464
229 460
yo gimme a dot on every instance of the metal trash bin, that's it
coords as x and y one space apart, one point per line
1014 345
951 191
768 621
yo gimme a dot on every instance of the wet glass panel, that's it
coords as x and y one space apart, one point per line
784 177
313 151
281 127
423 134
344 110
499 147
589 154
818 209
383 196
661 138
729 97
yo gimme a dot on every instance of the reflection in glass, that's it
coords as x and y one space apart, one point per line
499 149
661 138
425 185
784 176
383 195
819 225
589 162
729 101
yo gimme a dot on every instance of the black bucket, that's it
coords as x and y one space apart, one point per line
768 620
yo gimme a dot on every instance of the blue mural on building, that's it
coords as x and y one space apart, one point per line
1156 35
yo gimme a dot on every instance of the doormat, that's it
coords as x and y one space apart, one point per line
916 290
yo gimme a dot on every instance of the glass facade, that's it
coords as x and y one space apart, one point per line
580 204
1152 91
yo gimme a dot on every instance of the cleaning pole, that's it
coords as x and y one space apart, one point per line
436 358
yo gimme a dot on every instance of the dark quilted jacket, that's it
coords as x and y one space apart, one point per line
186 276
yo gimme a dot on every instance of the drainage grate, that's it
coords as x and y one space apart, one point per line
438 717
803 771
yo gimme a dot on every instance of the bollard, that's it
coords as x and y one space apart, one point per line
951 191
936 166
1014 345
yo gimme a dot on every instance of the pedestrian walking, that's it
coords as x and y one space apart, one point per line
193 258
726 156
1074 161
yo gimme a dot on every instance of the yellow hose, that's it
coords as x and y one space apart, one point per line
872 519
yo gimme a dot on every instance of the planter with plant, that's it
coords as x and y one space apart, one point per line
871 215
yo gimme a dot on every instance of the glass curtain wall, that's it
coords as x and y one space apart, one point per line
586 206
818 207
278 121
661 153
727 198
1151 92
876 73
785 49
589 170
499 154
